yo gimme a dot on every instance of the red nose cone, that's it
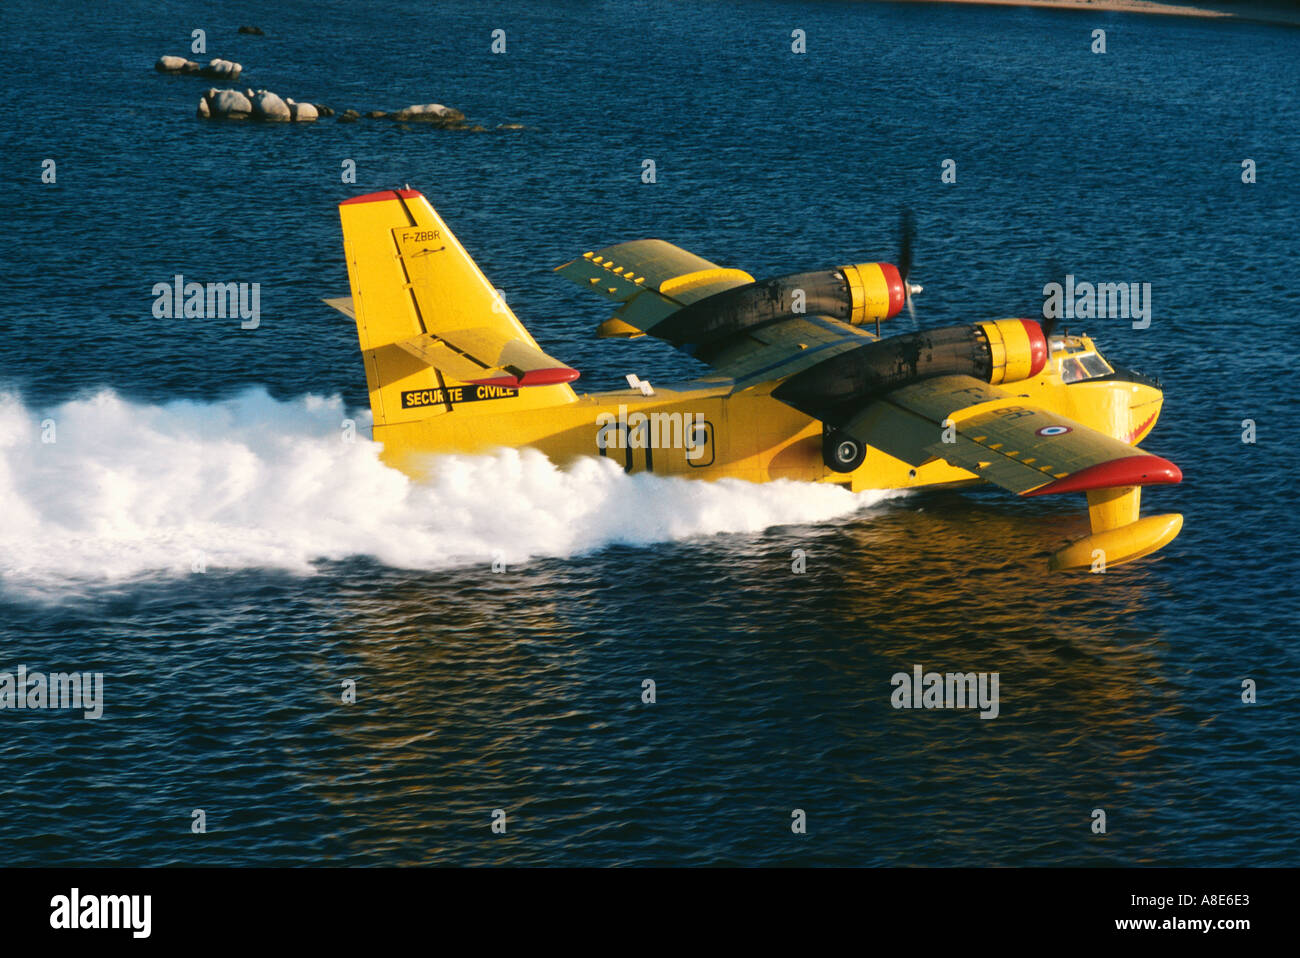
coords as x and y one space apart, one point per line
897 292
1037 347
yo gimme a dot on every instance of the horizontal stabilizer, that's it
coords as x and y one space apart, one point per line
344 305
480 355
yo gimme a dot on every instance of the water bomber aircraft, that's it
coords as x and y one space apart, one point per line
804 386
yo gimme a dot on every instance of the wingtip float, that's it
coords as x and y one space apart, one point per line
803 389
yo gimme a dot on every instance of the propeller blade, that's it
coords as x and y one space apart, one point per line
906 241
1049 322
906 248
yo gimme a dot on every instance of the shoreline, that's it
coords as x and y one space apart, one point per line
1275 15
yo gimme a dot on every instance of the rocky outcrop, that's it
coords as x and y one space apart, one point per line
262 105
434 113
216 69
268 107
176 65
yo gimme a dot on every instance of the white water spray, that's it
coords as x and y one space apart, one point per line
128 489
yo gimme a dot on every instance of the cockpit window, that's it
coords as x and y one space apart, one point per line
1094 365
1083 366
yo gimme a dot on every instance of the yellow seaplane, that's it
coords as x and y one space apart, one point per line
804 385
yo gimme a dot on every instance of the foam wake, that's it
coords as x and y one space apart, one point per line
127 489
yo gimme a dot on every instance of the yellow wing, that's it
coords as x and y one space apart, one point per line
655 280
1001 439
651 278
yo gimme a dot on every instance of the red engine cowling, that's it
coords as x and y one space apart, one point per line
1017 348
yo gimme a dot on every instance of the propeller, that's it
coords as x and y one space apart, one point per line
906 243
1048 323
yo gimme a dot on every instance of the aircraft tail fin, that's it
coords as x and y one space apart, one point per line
434 333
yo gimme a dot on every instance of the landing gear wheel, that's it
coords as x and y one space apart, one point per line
841 452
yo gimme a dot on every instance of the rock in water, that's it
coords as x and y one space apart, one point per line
261 105
230 104
268 106
430 113
252 31
175 65
219 69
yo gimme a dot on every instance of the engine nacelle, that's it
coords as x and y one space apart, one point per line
857 294
1017 349
877 291
1002 351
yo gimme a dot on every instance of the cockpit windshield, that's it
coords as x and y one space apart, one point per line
1081 366
1080 361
